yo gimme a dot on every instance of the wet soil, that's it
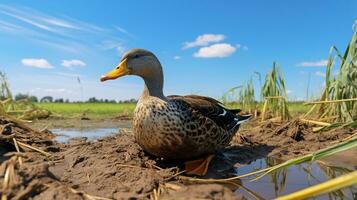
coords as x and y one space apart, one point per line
115 167
290 139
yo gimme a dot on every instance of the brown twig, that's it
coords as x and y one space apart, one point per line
314 122
33 148
18 150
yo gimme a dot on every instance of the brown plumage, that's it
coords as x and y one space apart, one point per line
175 127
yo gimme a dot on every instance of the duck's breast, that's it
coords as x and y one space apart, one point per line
169 130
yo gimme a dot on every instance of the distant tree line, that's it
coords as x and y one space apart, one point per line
49 99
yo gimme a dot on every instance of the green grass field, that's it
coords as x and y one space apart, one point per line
107 110
92 110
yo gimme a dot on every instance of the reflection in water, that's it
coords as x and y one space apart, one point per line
91 134
294 178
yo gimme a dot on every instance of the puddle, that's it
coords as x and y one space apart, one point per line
63 135
293 178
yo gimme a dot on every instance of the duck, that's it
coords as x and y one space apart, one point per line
190 128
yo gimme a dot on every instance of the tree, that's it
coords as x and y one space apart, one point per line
32 99
92 100
26 96
21 96
47 99
60 100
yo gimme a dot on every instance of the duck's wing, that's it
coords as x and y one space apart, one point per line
213 109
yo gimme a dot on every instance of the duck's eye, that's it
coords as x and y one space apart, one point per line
136 56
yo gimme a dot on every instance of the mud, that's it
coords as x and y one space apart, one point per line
115 167
290 139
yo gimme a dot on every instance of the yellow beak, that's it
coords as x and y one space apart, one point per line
118 71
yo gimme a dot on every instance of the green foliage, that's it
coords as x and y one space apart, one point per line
231 96
247 98
47 99
5 92
341 86
274 92
25 96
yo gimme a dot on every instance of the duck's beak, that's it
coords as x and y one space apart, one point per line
118 71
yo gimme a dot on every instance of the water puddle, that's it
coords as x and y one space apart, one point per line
292 179
63 135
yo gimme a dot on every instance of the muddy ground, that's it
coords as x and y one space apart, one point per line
115 167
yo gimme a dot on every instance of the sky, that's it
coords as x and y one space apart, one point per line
205 47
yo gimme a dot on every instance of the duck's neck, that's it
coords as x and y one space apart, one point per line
154 86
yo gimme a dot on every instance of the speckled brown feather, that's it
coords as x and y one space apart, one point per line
181 127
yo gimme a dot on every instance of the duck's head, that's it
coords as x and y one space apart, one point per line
138 62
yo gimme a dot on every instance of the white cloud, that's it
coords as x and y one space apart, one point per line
58 32
319 73
122 30
73 63
204 40
59 90
215 51
29 21
36 62
289 92
243 47
47 22
177 57
319 63
111 44
69 74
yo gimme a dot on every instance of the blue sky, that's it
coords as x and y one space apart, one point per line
205 47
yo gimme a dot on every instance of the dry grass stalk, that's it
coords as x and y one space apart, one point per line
264 109
172 186
87 196
33 148
328 186
175 175
331 101
18 150
9 176
156 193
317 129
314 122
276 97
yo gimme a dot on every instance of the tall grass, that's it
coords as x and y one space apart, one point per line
231 96
246 97
5 92
274 93
341 86
22 109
